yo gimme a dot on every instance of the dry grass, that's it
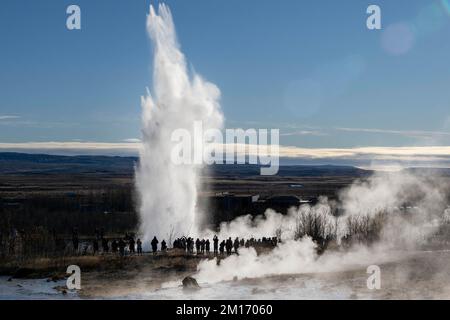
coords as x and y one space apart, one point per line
48 267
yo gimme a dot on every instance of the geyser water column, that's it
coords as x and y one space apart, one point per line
168 191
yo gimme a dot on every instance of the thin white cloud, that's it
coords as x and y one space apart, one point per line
406 133
73 147
133 140
304 133
7 117
379 151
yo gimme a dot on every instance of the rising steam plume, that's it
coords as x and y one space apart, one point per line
168 191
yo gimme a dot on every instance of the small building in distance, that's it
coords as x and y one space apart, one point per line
288 200
227 207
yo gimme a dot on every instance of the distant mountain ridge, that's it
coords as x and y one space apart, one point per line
291 170
27 164
23 163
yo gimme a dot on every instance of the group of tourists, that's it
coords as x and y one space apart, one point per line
227 246
128 244
121 246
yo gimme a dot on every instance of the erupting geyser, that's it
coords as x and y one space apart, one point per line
168 191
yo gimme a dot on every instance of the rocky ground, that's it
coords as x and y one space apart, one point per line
422 275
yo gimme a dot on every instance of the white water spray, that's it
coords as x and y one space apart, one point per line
168 191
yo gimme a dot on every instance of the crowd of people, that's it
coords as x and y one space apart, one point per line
227 246
121 246
128 244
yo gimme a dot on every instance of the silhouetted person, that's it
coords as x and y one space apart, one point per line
154 245
139 246
202 246
188 245
275 241
229 245
85 249
105 245
122 247
236 245
207 246
197 245
216 244
163 245
114 246
191 245
95 246
131 245
183 244
222 247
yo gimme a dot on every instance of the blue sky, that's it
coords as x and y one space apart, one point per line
310 68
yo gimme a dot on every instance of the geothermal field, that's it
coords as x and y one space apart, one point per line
171 223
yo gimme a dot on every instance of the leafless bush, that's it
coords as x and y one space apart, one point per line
364 228
315 224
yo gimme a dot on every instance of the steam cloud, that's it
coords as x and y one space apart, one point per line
403 209
168 192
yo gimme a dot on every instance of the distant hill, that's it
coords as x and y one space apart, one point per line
28 164
22 163
291 170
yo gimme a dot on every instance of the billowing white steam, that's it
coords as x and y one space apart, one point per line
405 208
168 191
291 257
